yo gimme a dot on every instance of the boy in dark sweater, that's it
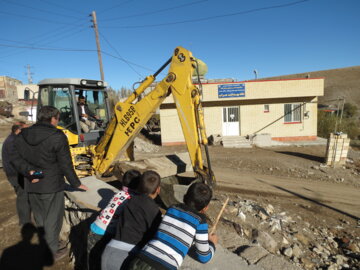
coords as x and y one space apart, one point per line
103 229
137 223
182 225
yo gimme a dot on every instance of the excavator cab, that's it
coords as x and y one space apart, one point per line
64 95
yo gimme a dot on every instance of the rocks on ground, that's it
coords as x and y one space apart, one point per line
273 239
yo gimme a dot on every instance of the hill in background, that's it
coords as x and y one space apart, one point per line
338 82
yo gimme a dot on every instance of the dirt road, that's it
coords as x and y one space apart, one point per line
322 196
325 202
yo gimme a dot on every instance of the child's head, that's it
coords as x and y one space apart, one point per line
131 179
198 196
149 183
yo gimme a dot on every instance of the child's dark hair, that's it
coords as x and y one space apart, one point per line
198 196
15 128
149 182
131 179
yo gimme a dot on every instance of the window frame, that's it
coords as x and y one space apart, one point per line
295 113
266 108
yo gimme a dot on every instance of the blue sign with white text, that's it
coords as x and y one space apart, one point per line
231 90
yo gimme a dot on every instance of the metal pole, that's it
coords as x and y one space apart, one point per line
95 26
342 110
337 114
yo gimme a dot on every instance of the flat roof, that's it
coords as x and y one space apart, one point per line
74 81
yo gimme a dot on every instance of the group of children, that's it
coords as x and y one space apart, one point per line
130 232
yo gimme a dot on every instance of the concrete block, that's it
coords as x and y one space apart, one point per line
165 166
253 254
96 198
262 140
223 259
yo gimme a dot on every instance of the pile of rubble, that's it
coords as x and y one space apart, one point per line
259 233
143 145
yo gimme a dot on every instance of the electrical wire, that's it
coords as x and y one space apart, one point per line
127 62
32 45
120 58
38 9
34 18
62 7
211 17
153 12
71 50
110 8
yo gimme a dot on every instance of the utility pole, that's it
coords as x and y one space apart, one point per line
29 73
95 26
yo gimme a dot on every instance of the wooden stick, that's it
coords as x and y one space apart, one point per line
219 215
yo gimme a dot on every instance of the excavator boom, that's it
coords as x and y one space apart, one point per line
130 116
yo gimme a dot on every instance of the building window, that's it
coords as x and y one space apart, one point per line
266 108
292 113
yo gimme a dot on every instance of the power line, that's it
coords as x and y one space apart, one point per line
31 45
62 7
122 59
109 8
127 62
212 17
34 18
71 50
153 12
38 9
48 49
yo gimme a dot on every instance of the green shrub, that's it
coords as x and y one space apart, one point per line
327 123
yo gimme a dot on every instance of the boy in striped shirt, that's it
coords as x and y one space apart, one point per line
182 225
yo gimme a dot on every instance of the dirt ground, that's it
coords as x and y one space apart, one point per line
284 192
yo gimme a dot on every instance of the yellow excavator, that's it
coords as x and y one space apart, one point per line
96 152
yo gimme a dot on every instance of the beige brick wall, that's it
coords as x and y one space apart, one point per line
8 85
252 115
22 87
171 131
267 90
253 118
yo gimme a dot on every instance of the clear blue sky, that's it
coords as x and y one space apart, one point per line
233 37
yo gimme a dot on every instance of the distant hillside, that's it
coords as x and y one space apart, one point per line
338 82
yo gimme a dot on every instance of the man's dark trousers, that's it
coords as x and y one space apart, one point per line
22 199
48 211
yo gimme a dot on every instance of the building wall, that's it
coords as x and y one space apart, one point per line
21 88
8 90
256 90
253 119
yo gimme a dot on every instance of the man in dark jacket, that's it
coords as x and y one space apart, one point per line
16 179
44 149
87 117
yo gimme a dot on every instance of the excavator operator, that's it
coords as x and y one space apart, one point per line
87 117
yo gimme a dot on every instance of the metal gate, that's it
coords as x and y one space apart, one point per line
231 124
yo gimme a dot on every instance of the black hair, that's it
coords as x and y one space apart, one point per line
81 97
149 182
15 128
46 113
198 196
131 179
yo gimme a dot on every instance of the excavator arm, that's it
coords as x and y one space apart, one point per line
131 117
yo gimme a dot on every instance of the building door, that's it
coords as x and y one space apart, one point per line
231 125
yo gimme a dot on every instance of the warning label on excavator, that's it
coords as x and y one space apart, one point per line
231 90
